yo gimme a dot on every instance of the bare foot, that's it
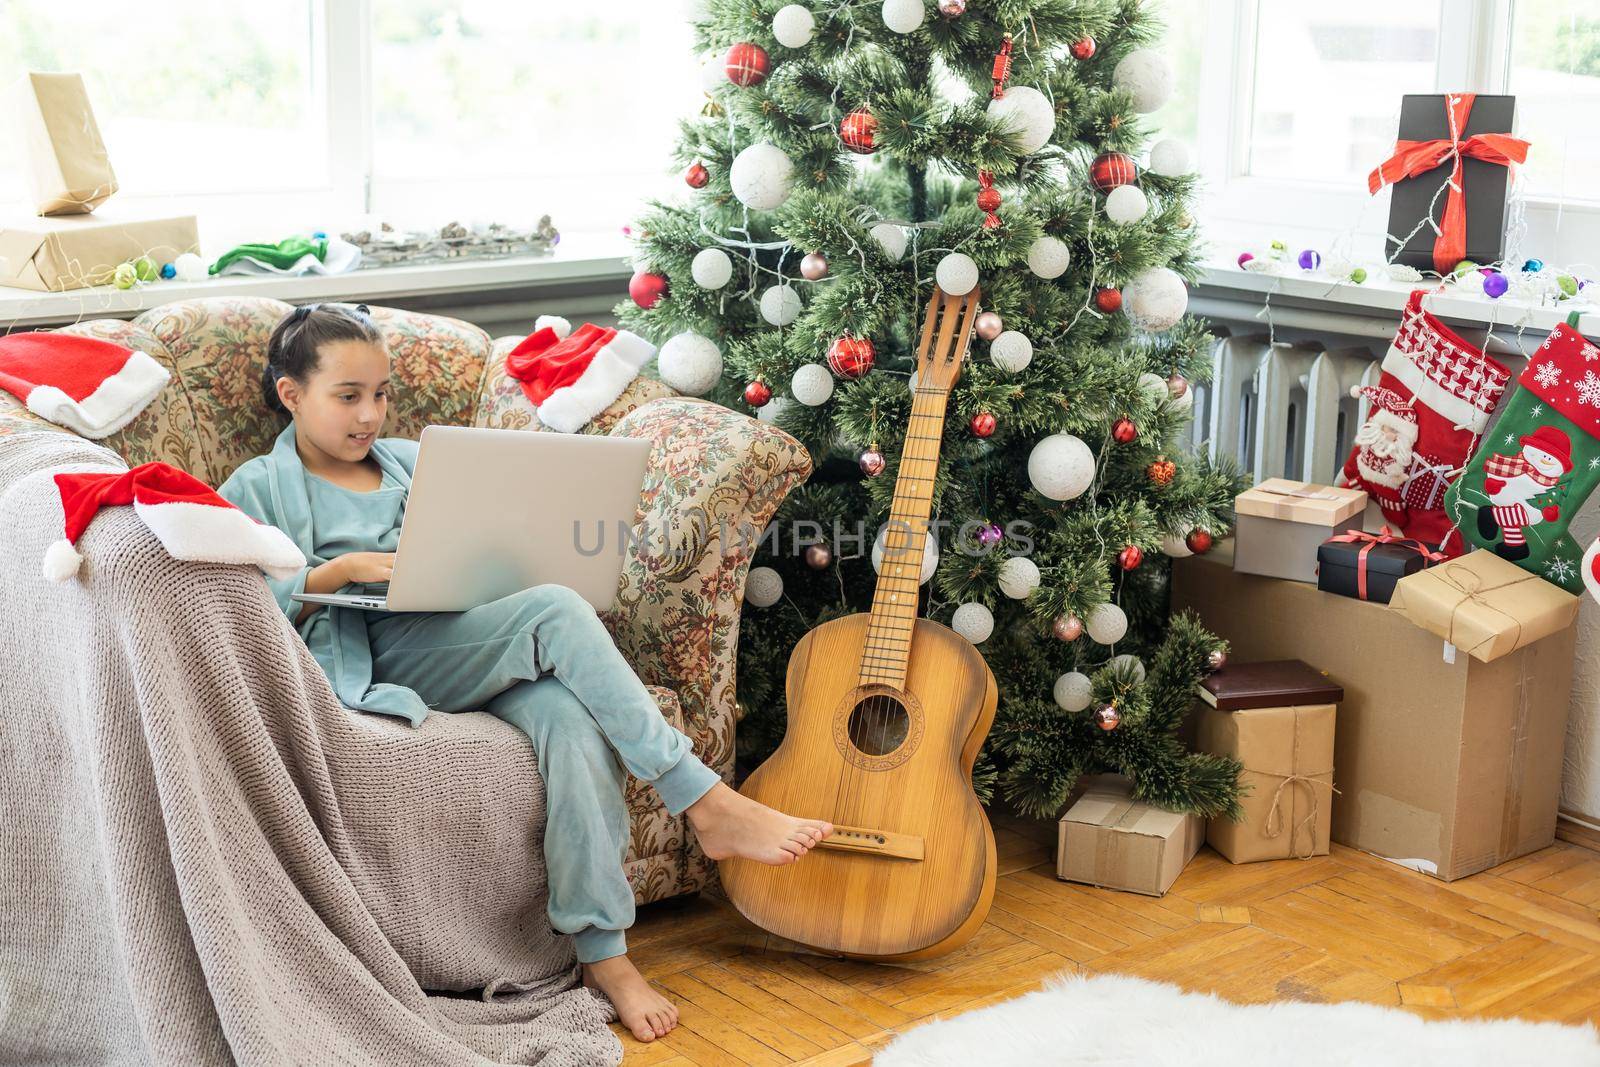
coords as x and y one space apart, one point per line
644 1011
730 824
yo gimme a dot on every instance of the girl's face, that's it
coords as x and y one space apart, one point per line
340 408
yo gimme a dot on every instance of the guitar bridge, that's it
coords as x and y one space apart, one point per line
876 842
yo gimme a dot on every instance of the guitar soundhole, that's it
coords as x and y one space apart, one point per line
878 725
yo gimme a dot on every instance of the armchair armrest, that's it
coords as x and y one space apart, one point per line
714 480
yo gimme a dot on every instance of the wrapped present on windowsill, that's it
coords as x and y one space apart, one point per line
1367 565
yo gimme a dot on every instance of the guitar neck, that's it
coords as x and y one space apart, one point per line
894 603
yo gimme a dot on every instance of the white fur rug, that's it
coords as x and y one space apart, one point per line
1112 1021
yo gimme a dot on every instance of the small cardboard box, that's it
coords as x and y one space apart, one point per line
1446 767
77 251
1109 839
68 169
1276 719
1282 523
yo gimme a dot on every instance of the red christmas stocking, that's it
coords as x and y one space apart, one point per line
1428 410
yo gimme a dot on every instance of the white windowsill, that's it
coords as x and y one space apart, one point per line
579 257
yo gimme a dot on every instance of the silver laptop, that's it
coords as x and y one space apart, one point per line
492 512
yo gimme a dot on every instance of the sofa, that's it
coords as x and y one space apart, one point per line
676 616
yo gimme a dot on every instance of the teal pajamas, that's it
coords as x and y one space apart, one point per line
540 659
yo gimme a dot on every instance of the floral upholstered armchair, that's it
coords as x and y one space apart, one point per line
676 617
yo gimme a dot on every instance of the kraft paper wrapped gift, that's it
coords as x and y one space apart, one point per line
1483 605
1276 719
77 251
68 169
1281 524
1109 839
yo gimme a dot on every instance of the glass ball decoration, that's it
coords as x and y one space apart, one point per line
1067 627
757 393
1198 541
647 288
818 556
952 9
1108 300
872 462
1084 48
988 325
851 357
1124 431
814 266
696 176
1161 472
1495 285
1216 659
1111 170
1130 557
1177 385
982 424
990 534
1310 259
858 129
1107 717
1533 266
746 64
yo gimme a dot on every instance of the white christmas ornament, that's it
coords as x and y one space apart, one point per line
1181 403
763 587
911 384
974 622
770 411
1028 114
689 363
1155 300
1169 158
780 305
930 554
902 16
761 176
1107 624
711 269
1073 691
793 26
890 238
714 73
812 384
1129 659
1126 204
1019 577
1146 74
1155 385
1175 546
190 268
1061 466
956 274
1011 351
1048 257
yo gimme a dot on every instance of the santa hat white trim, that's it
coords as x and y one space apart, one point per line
116 401
209 534
555 322
615 364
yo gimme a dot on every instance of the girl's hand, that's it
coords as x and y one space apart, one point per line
367 567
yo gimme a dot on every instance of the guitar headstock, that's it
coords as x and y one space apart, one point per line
946 333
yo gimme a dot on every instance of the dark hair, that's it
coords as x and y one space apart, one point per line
295 346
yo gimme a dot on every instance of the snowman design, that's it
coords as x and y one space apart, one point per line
1512 482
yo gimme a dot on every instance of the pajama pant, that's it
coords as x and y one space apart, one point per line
543 661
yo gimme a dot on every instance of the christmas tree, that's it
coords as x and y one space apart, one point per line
849 157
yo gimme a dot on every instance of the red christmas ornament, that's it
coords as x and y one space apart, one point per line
856 130
851 357
1107 717
757 393
1130 557
696 176
1124 431
1199 542
747 64
647 289
988 200
1162 471
1002 68
1111 169
1084 47
982 424
1108 300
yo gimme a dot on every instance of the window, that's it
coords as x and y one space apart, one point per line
1555 75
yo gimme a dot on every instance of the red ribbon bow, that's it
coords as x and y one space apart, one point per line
1412 158
1384 536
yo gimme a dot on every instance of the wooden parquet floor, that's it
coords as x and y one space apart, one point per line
1520 940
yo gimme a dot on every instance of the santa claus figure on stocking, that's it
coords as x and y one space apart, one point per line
1512 483
1383 449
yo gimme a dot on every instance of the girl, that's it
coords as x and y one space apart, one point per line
540 659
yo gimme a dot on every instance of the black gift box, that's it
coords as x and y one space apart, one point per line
1339 562
1423 118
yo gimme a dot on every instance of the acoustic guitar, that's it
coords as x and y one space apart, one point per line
887 712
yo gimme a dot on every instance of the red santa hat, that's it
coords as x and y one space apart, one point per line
1387 400
88 385
572 377
1551 440
187 516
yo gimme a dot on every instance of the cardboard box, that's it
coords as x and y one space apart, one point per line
1447 768
77 251
1277 719
1484 605
1282 523
1109 839
68 169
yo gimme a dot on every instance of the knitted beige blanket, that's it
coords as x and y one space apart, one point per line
205 859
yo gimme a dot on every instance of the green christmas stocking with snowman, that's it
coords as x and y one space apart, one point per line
1538 464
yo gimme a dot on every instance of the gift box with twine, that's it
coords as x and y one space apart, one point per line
1484 605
